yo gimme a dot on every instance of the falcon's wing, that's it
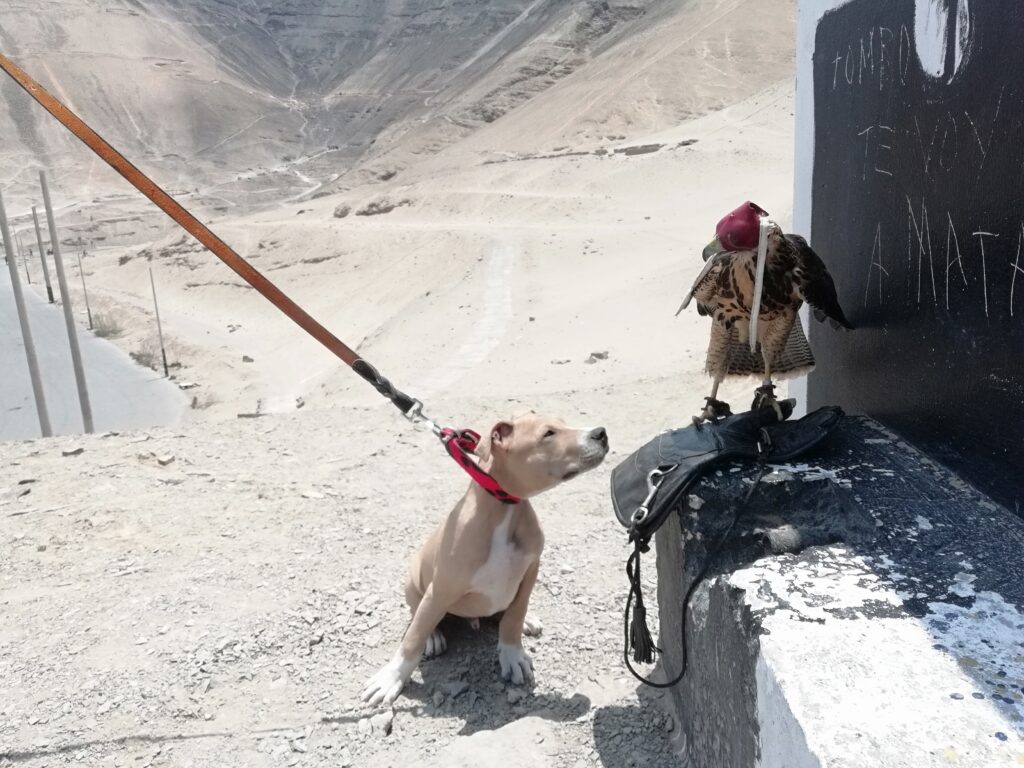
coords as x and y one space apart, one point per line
816 285
704 284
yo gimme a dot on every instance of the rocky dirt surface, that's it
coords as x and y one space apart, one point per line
220 595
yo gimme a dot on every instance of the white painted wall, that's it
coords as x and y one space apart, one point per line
783 743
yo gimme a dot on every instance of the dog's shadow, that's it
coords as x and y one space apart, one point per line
469 682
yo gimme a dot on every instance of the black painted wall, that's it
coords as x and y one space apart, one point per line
918 209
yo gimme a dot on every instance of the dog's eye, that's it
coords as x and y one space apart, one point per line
549 433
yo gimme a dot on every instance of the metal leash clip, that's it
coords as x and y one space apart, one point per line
416 416
654 479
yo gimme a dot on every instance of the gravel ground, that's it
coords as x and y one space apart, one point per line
219 595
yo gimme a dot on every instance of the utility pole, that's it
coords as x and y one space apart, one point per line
42 256
69 320
81 274
26 331
159 330
21 253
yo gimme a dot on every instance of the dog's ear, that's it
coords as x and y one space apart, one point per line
501 433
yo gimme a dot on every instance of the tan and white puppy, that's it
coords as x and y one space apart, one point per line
483 559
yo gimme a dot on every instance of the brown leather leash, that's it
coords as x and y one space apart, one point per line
409 406
460 444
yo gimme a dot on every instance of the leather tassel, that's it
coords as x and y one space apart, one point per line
640 636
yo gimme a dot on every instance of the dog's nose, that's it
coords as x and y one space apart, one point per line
600 435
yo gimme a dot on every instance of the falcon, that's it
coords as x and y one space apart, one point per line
726 291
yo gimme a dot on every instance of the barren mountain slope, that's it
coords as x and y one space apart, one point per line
258 100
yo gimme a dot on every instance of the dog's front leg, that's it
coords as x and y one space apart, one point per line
516 664
392 677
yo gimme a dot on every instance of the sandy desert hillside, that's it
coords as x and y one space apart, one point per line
525 183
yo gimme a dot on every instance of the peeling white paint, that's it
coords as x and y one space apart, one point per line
855 689
809 473
841 581
963 584
933 26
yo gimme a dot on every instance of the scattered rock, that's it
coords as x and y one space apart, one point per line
595 356
247 359
560 362
528 742
381 724
167 458
455 688
342 211
383 205
438 698
642 149
312 495
73 451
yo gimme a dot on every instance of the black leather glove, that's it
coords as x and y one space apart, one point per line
680 457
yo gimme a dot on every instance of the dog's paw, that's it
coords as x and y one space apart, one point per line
532 626
436 645
516 664
474 624
389 681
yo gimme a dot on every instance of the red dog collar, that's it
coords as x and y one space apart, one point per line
461 446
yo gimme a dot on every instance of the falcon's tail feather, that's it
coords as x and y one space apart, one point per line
795 359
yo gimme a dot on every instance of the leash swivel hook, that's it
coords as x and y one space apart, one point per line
416 415
654 480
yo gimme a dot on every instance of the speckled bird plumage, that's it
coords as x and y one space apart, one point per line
793 274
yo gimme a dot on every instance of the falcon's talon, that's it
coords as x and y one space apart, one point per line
764 397
713 411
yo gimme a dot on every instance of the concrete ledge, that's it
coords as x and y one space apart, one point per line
868 610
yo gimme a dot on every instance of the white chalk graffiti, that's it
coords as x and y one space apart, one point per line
920 265
881 54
